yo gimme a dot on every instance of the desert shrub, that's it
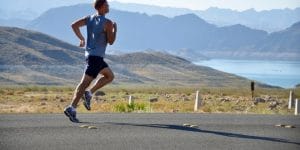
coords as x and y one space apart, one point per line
130 107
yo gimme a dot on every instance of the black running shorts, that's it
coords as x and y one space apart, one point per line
94 64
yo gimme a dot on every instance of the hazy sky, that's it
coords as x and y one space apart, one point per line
232 4
42 5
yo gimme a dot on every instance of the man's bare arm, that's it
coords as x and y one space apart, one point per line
111 32
75 26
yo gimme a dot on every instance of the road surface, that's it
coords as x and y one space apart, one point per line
149 131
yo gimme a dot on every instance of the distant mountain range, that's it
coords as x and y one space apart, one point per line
30 9
14 22
28 57
268 20
140 31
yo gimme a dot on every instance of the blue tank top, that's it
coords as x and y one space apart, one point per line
96 37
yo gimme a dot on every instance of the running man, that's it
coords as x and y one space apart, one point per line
100 31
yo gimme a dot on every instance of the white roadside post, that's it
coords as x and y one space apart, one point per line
297 107
150 110
197 102
130 100
291 99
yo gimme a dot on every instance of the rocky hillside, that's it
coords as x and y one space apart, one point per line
22 47
33 58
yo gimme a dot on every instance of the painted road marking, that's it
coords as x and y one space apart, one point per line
285 126
92 127
194 126
84 126
186 125
88 126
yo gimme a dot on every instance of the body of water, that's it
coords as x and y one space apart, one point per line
278 73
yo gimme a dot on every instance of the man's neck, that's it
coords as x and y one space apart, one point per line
100 13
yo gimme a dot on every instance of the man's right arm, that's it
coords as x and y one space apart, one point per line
75 26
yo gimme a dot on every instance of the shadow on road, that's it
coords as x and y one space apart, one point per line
221 133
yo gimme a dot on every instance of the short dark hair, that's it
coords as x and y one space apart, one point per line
99 3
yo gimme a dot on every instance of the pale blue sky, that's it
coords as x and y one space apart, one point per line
232 4
42 5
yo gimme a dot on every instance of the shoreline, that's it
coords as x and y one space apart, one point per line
271 72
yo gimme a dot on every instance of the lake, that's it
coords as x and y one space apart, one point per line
278 73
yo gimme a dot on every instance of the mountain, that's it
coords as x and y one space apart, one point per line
140 31
155 32
287 40
21 47
52 22
150 9
28 57
18 14
282 45
165 69
30 9
268 20
14 22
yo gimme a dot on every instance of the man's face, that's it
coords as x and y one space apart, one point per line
105 7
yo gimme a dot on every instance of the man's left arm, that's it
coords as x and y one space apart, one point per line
111 32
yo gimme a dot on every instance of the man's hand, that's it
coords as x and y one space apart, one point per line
82 43
75 26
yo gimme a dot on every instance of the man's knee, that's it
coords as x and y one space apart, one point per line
110 77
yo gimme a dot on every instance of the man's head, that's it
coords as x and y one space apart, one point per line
101 6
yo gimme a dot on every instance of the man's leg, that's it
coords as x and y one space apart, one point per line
85 82
70 111
108 76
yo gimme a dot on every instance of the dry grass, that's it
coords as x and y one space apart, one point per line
35 99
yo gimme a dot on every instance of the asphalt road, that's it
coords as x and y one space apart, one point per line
149 131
